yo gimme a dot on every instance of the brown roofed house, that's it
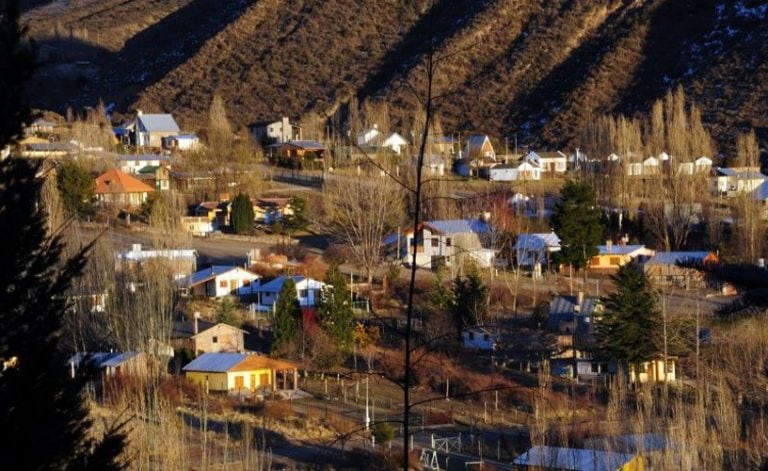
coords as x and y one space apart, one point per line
114 187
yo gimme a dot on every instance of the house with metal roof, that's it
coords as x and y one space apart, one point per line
548 162
275 131
220 280
664 268
731 181
610 257
479 146
295 154
182 261
114 187
449 243
241 372
577 459
308 291
148 130
532 249
111 363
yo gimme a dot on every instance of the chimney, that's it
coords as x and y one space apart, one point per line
609 245
139 112
196 316
580 298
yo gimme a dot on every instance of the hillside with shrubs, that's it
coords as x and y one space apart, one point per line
537 70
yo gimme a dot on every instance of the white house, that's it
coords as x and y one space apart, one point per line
308 292
449 242
650 166
732 181
183 261
513 172
181 142
531 249
275 131
149 129
220 280
374 138
702 164
132 163
549 162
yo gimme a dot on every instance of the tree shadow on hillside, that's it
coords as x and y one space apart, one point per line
437 25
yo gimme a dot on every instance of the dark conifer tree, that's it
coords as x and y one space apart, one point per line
577 221
44 420
287 315
242 214
630 328
335 309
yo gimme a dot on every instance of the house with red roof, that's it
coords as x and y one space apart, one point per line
114 187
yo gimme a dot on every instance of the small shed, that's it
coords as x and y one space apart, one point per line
240 372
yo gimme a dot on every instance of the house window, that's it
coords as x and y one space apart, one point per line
595 367
303 293
214 339
435 242
595 261
615 261
223 284
447 241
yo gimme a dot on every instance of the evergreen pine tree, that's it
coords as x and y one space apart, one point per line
76 187
287 315
577 222
242 214
297 221
630 327
335 309
44 420
470 300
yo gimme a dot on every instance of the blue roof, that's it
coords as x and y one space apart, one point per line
215 362
619 249
276 285
537 241
103 359
672 258
458 226
761 192
574 459
158 122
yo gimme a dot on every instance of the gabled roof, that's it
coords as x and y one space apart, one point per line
672 258
761 192
114 181
574 459
563 308
537 241
458 226
275 285
103 359
210 273
158 123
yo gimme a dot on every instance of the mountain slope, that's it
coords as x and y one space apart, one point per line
535 69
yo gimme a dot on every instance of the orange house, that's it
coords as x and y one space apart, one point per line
114 187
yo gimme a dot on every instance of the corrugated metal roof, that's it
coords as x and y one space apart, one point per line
276 285
158 123
458 226
619 249
573 459
672 258
215 362
117 359
537 241
761 192
563 309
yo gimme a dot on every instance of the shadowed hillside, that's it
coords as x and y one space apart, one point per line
535 69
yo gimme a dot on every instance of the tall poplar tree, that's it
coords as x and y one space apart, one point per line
44 421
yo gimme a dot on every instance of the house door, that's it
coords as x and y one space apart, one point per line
239 382
264 379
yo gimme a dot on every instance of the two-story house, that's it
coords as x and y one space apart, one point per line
449 243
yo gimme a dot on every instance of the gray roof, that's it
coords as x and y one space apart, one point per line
573 459
618 249
761 192
207 274
143 157
215 362
158 123
103 359
458 226
673 258
52 147
274 286
537 241
563 309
